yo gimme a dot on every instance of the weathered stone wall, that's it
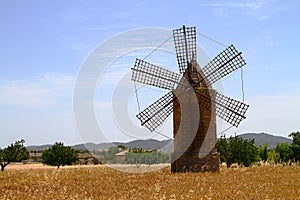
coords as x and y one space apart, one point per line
194 121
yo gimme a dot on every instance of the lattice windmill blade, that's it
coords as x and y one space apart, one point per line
223 64
155 114
147 73
185 46
231 110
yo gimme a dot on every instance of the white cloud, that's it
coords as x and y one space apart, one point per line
38 110
264 17
257 8
39 92
276 114
253 5
271 43
219 11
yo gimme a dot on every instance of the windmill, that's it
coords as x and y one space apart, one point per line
193 101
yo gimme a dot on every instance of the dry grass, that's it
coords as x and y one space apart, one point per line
100 182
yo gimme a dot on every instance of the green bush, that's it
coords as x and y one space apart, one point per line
295 146
14 153
237 150
59 155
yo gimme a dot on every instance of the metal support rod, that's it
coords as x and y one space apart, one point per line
185 42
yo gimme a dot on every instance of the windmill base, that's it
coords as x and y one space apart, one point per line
192 163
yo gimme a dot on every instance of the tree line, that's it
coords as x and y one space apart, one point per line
136 156
244 152
140 156
57 155
232 150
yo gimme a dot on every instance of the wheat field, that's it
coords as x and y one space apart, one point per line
101 182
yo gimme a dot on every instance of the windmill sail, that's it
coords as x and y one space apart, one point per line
154 115
185 46
230 110
192 100
147 73
223 64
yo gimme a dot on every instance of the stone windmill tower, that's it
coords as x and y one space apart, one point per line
193 101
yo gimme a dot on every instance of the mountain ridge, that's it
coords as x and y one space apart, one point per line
167 145
265 138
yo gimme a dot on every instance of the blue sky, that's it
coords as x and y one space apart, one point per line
44 44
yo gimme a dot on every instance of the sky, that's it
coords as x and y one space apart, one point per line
45 46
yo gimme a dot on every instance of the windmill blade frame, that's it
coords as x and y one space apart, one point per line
153 75
155 114
223 64
185 46
230 110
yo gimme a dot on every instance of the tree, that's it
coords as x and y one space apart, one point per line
141 156
237 150
110 155
163 157
222 148
14 153
273 157
136 158
285 152
263 152
120 146
59 155
295 146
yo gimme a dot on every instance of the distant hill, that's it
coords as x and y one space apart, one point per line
146 144
167 145
38 147
264 138
164 145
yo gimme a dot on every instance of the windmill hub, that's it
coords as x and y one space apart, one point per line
193 101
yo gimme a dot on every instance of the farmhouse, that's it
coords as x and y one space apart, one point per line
121 156
87 158
35 157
